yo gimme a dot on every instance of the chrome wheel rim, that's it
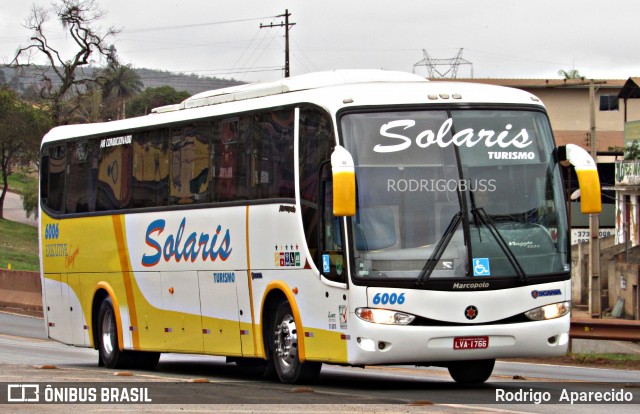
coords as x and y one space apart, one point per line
108 332
286 341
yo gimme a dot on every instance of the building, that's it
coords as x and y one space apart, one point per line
614 114
569 106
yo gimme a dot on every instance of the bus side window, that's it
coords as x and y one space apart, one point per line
332 260
150 179
114 178
316 143
53 177
81 182
272 163
189 167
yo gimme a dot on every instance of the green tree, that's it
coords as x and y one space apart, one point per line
21 128
154 98
63 77
632 151
120 84
30 199
570 74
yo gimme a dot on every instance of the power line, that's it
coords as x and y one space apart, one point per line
287 26
187 26
451 65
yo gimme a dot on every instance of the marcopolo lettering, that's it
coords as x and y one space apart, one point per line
442 138
287 209
471 285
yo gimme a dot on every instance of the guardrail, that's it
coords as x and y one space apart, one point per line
605 329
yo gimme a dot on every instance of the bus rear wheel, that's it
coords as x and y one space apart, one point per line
471 372
109 352
285 349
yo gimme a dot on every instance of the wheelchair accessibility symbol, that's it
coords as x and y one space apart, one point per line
481 267
326 263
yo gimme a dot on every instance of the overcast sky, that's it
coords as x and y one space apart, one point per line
501 38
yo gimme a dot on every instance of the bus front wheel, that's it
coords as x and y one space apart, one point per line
285 349
471 372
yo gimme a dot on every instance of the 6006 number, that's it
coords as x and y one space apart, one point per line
51 231
388 298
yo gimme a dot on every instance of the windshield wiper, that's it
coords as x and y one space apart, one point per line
483 218
428 268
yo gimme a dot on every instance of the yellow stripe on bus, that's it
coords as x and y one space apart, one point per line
249 281
118 227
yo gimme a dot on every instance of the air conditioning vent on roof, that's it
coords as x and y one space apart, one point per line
296 83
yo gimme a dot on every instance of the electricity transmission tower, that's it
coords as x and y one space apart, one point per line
434 66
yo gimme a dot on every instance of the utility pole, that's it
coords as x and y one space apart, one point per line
286 26
595 296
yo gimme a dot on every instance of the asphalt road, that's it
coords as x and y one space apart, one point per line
203 383
13 210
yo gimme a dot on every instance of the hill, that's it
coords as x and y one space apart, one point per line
182 82
21 79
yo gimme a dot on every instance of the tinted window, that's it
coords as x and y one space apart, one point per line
243 157
316 143
52 177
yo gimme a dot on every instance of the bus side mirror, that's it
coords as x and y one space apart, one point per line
344 182
587 172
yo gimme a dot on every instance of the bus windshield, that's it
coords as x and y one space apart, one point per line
448 194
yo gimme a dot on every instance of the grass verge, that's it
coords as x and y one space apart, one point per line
19 182
626 362
18 246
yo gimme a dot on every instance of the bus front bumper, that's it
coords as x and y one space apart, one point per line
373 344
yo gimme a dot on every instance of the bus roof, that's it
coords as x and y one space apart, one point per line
331 89
298 83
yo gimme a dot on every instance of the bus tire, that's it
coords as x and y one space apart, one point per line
144 359
285 349
471 372
110 354
108 350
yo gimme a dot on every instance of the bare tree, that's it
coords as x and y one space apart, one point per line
62 77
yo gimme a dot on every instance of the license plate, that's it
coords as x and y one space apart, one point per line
470 342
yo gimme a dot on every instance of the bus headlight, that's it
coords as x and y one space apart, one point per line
384 316
555 310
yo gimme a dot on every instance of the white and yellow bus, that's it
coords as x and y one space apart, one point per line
346 217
